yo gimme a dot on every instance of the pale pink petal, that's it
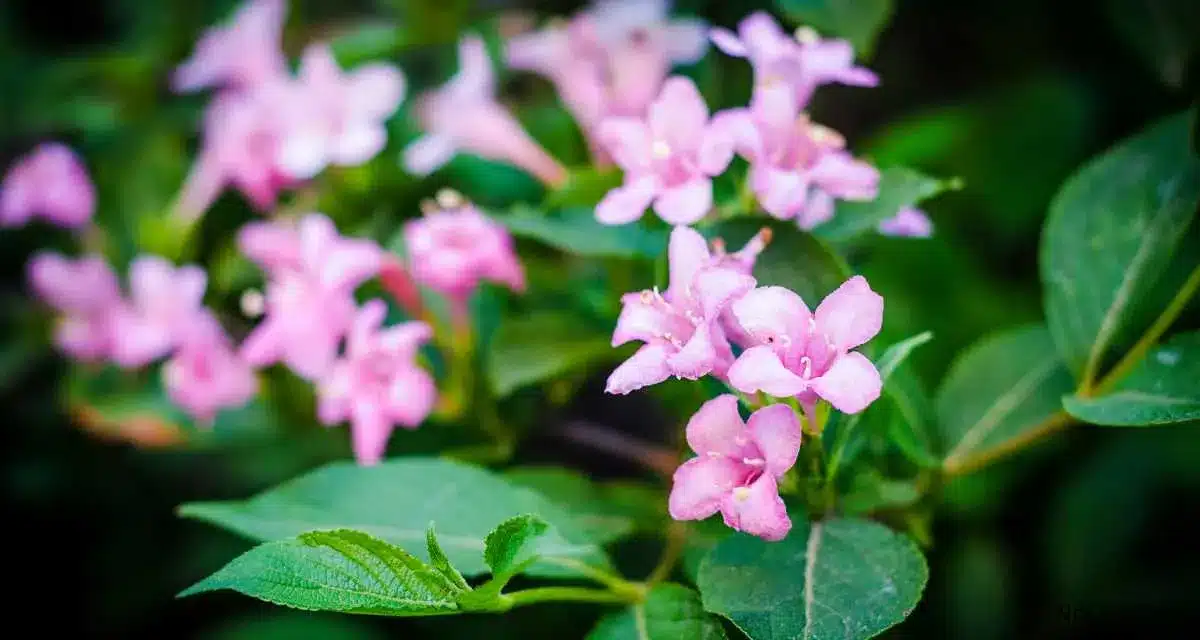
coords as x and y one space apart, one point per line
687 253
700 484
698 356
411 396
645 367
775 429
370 430
642 318
717 428
542 52
739 125
716 148
366 324
626 203
728 42
136 341
678 116
851 315
780 193
84 285
715 288
405 339
428 153
909 222
350 264
376 90
18 196
628 141
774 316
304 153
357 144
263 346
845 177
759 369
817 210
685 41
270 244
851 384
686 203
757 510
775 107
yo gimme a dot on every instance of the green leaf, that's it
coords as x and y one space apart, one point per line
584 188
859 21
343 570
840 578
1164 388
605 512
575 230
670 612
439 561
1111 232
512 545
912 432
1165 33
1000 391
540 346
793 259
899 187
870 491
396 500
367 42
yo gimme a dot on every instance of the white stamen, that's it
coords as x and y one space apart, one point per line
660 149
741 494
253 303
807 35
449 199
754 462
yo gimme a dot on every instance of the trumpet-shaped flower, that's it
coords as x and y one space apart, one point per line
452 250
239 54
377 383
737 467
463 115
50 182
163 304
808 355
312 273
669 158
679 329
205 375
85 291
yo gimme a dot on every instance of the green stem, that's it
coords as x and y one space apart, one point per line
677 534
564 594
615 583
1150 338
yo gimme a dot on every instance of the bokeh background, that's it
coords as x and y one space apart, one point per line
1091 533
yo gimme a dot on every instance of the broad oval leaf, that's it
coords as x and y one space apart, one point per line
840 578
606 512
396 500
899 187
576 231
536 347
670 612
859 21
1164 388
1001 391
793 258
344 571
1111 232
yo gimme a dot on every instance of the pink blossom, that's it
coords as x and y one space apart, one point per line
452 250
206 375
680 329
669 158
797 168
312 273
463 115
798 353
377 383
163 303
335 117
50 182
240 54
737 467
84 291
802 63
908 222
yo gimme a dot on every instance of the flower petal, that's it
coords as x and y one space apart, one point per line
851 315
376 90
717 428
851 384
775 430
781 193
759 369
728 42
686 203
701 484
685 41
774 316
428 153
411 396
687 254
715 287
645 367
698 356
640 320
909 222
627 140
679 115
370 430
757 510
627 203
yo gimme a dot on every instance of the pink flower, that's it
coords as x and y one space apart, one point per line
163 303
797 168
377 383
802 63
84 291
680 329
669 158
452 250
50 181
798 353
335 117
312 273
240 54
206 375
463 115
908 222
737 467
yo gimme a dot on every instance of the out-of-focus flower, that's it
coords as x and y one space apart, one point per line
50 182
334 117
240 54
806 355
451 250
737 467
669 158
463 115
163 304
206 375
909 222
377 383
312 273
797 167
802 63
85 291
680 330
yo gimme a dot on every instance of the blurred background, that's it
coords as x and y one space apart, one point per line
1088 534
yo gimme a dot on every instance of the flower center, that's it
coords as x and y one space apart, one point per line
660 150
